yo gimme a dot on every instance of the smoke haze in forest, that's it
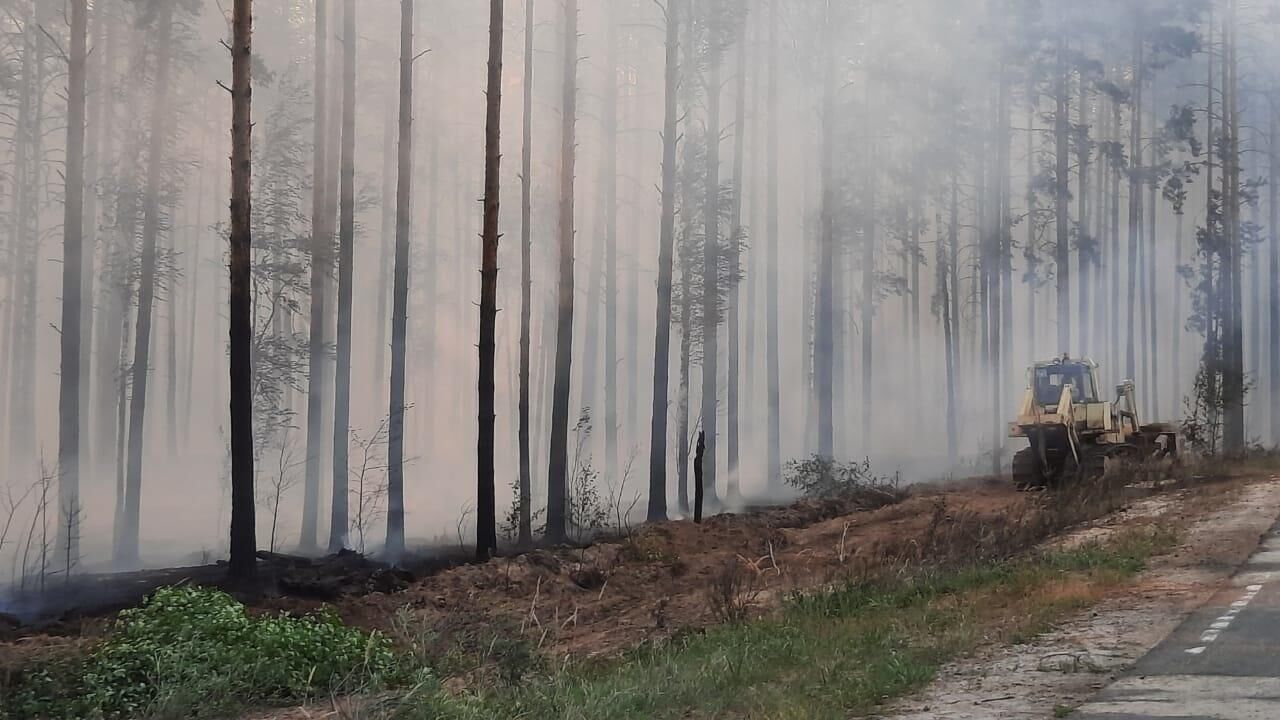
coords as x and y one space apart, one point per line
946 191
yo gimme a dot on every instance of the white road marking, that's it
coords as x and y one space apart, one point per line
1223 622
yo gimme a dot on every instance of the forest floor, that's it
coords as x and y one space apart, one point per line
1024 629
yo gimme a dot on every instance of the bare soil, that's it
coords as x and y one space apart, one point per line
607 598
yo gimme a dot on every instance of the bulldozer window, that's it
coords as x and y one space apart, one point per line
1049 382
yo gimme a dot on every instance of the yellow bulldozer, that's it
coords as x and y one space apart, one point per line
1074 432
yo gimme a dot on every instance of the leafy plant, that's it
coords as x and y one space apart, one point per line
194 652
822 478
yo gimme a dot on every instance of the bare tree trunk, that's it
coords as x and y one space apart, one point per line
1273 266
146 290
824 336
868 270
400 294
96 80
1085 245
948 332
558 464
387 233
774 463
72 266
346 260
662 322
321 262
734 494
1152 340
1062 251
711 248
526 280
243 541
1114 314
1135 198
26 241
609 189
486 520
1234 427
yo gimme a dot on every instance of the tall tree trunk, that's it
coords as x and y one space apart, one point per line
1135 197
107 318
1234 428
243 543
346 260
1086 247
321 263
25 241
486 510
526 281
1062 250
868 268
824 336
400 293
711 249
774 462
72 266
1153 324
1176 327
558 463
944 262
386 233
666 251
735 262
750 426
1273 266
96 123
128 556
609 189
1114 313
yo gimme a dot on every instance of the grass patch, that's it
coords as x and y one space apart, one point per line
824 655
195 653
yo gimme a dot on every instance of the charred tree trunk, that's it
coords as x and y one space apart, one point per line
128 556
321 262
346 260
666 250
486 511
525 490
400 292
558 464
243 542
72 267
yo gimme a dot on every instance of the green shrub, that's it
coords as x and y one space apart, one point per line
193 652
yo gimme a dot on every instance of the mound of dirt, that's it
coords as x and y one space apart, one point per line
606 598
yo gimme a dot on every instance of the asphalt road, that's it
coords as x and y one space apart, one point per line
1222 663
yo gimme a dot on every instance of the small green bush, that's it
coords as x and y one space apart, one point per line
192 652
826 479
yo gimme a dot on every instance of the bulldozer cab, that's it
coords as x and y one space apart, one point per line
1048 379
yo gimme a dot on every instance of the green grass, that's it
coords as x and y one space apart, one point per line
825 655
